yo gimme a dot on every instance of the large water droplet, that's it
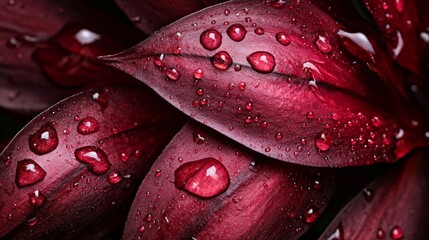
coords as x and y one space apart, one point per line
28 172
203 178
323 44
237 32
283 38
88 125
221 60
36 198
262 62
95 158
211 39
43 141
323 141
311 215
396 233
173 74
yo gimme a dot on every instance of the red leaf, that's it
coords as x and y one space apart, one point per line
395 205
208 187
26 25
287 90
81 161
151 15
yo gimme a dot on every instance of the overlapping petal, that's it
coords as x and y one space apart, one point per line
80 162
278 81
205 186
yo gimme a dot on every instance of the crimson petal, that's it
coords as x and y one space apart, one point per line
151 15
205 186
305 101
394 205
81 161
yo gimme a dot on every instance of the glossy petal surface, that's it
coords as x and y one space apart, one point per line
308 102
264 199
83 179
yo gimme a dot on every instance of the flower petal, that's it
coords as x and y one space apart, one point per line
205 186
151 15
394 205
81 161
285 88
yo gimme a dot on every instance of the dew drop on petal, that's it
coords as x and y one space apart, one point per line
368 194
259 31
204 178
396 233
102 98
311 215
199 138
88 125
43 141
158 60
323 44
283 38
236 32
198 74
173 74
96 159
114 178
36 198
211 39
28 172
221 60
380 234
338 234
376 121
262 62
323 141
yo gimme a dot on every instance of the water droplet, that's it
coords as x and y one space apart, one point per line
96 159
262 62
43 141
32 222
237 32
248 106
199 92
158 60
198 74
114 177
36 198
396 233
199 138
211 39
380 234
376 121
323 44
259 31
203 178
264 124
221 60
310 115
311 215
242 86
277 3
368 194
338 234
323 141
255 166
158 173
283 38
101 97
88 125
279 136
28 172
173 74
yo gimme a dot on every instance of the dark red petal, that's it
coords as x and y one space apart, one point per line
399 22
395 205
220 190
151 15
57 179
26 25
307 102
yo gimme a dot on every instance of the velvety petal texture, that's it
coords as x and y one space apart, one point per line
282 79
205 186
392 207
151 15
80 162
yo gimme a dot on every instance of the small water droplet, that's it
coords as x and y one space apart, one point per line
283 38
323 44
259 31
311 215
310 115
338 234
279 136
376 121
211 39
264 124
32 222
198 74
262 62
237 32
221 60
368 194
323 141
242 86
248 106
88 125
28 172
199 138
114 177
158 173
43 141
380 234
96 159
255 166
158 60
102 98
199 92
36 198
396 233
203 178
277 3
173 74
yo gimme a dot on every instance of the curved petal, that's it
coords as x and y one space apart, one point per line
205 186
25 25
87 153
274 80
394 205
151 15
